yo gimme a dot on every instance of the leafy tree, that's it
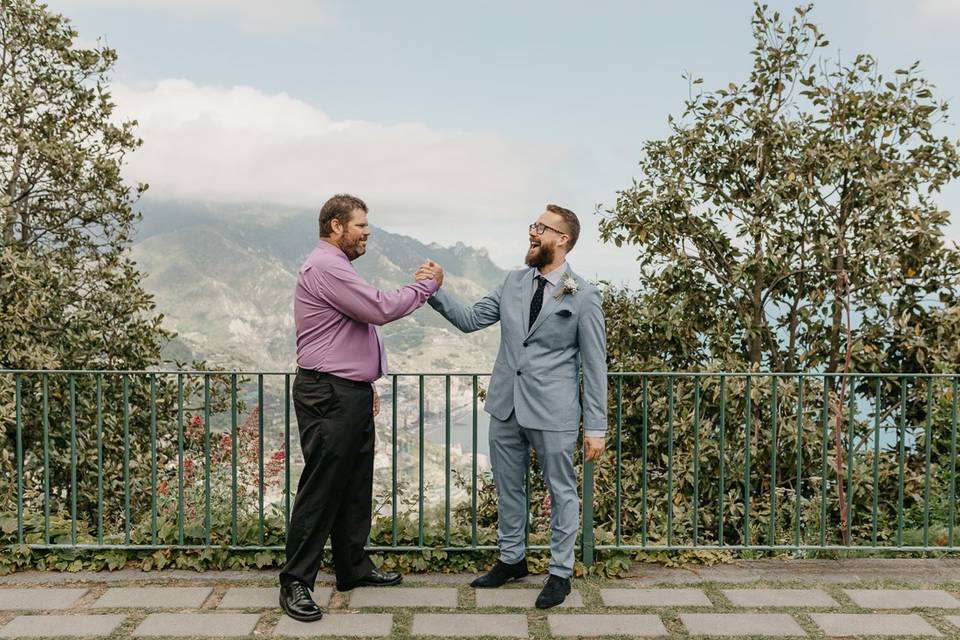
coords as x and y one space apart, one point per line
70 296
775 201
783 220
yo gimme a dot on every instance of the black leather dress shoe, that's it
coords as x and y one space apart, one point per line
296 602
501 574
376 578
554 592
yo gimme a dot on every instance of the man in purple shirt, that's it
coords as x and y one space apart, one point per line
339 356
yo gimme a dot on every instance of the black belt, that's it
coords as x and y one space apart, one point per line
329 377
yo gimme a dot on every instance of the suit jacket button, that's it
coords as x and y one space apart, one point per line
519 373
526 344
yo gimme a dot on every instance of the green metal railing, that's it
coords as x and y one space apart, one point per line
739 461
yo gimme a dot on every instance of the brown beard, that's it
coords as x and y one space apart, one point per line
540 257
352 249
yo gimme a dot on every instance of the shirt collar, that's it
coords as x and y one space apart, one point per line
554 276
325 246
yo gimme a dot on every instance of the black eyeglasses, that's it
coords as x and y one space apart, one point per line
538 228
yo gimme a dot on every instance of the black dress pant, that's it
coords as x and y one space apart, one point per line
335 493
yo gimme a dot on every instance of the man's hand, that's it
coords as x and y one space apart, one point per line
430 270
376 402
592 448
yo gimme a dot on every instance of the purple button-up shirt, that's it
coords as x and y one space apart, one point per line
337 314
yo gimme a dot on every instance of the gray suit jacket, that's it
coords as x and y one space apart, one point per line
537 372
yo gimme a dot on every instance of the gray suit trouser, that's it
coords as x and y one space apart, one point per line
510 457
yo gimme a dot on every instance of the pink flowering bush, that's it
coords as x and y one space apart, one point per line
211 484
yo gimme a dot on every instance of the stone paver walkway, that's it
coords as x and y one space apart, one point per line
760 599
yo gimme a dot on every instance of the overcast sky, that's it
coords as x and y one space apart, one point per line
453 120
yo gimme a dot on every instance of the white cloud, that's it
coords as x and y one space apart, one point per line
940 8
254 16
241 144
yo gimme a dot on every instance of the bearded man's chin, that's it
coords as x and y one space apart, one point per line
539 258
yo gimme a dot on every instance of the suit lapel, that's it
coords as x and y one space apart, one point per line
526 294
549 303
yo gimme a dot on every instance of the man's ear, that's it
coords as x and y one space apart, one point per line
336 227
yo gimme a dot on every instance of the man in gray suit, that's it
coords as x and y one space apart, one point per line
551 328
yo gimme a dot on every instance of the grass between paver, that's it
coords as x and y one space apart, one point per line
537 620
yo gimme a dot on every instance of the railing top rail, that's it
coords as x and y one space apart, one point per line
652 374
782 374
200 372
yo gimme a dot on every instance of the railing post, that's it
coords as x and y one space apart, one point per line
18 400
588 537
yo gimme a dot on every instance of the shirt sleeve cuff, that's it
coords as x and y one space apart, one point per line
595 433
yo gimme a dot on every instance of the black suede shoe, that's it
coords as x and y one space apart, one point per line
296 602
554 592
376 578
501 574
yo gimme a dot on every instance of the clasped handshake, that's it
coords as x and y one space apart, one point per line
430 270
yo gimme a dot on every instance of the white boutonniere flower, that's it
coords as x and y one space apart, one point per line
567 285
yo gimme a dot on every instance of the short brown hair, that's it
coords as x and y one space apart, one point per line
339 207
571 220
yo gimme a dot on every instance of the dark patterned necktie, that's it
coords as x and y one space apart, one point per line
537 303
